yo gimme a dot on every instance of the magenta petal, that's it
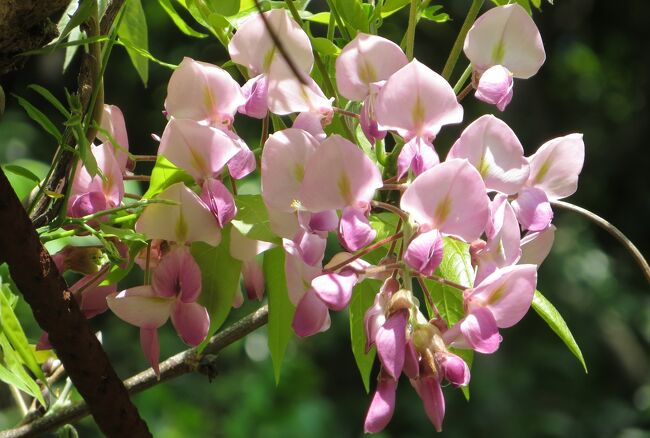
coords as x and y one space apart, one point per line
368 121
335 290
411 362
391 341
87 203
453 368
150 347
311 247
253 279
424 253
43 342
480 331
382 405
355 231
375 318
495 87
178 275
191 321
312 315
429 390
324 221
256 92
533 209
417 155
220 201
243 163
93 300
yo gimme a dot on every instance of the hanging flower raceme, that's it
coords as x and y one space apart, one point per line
426 102
503 43
173 293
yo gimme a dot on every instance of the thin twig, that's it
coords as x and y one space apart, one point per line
611 229
365 251
178 365
427 295
345 112
389 207
465 92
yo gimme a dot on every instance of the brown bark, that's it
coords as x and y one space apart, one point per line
57 312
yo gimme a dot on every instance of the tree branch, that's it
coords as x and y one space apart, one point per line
182 363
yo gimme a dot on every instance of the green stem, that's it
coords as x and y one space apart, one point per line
463 79
345 32
139 204
460 39
59 235
410 30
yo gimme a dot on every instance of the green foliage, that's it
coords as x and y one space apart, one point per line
83 11
252 218
133 31
178 20
552 317
389 7
219 278
164 174
39 117
281 310
324 46
432 13
363 296
56 103
456 266
353 14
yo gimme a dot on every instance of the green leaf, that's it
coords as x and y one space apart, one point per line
321 18
220 279
363 296
84 10
50 98
324 46
178 20
142 52
122 233
133 30
468 357
391 6
21 171
70 50
252 219
352 13
552 317
281 310
224 7
14 332
164 174
15 374
40 118
431 14
456 266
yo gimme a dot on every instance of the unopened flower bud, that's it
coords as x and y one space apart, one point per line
495 87
402 299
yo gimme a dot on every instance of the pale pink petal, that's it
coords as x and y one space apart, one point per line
283 224
200 150
287 94
253 47
495 87
536 246
178 276
364 60
243 163
480 331
368 121
150 347
93 300
191 321
355 231
297 273
418 155
245 249
188 221
335 290
312 315
375 316
494 149
284 159
533 209
450 197
506 293
311 246
416 101
219 200
556 165
429 390
256 92
323 221
113 123
312 123
203 92
140 307
424 253
338 174
505 35
390 340
382 405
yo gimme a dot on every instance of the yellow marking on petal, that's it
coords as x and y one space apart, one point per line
198 161
299 172
483 167
181 228
498 52
367 73
417 113
497 295
268 59
543 170
208 99
344 189
442 211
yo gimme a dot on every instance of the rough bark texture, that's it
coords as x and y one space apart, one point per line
26 25
57 312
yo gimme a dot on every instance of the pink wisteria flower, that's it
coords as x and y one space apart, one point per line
173 293
113 130
503 43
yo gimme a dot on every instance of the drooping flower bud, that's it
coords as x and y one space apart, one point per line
495 87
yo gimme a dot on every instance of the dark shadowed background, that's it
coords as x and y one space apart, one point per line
595 81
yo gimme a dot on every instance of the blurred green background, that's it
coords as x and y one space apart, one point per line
595 81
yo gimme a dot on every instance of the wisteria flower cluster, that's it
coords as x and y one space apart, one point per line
485 209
